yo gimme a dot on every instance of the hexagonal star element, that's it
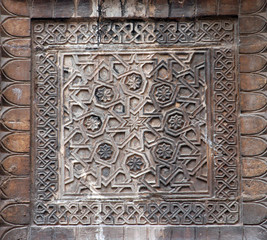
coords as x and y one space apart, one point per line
174 121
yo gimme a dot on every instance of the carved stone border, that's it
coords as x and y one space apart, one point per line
223 209
252 22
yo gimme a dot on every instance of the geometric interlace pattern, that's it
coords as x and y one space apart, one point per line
135 123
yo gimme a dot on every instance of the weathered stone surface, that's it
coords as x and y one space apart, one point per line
16 214
255 233
133 8
230 232
251 24
228 7
207 233
87 8
248 6
17 118
252 146
17 142
18 69
64 9
252 44
254 189
45 233
18 47
158 8
250 124
110 8
101 232
42 9
182 8
206 7
133 232
90 232
17 7
18 94
19 27
17 188
252 101
16 234
253 167
171 232
250 82
251 63
17 164
254 213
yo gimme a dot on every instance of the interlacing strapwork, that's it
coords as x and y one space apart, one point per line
135 123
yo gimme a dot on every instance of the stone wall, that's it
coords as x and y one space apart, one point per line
16 100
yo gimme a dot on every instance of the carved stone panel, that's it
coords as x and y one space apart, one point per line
135 122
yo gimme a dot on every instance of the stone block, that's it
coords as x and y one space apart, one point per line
231 232
254 189
16 234
17 188
135 232
64 9
228 7
42 9
18 47
170 232
252 82
158 9
251 63
251 146
251 24
17 118
18 214
253 167
133 8
252 101
18 27
17 164
255 233
182 8
87 8
250 124
248 6
206 8
254 213
17 7
252 44
17 142
18 70
18 94
110 8
207 233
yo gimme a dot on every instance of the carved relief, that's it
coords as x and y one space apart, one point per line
136 123
149 114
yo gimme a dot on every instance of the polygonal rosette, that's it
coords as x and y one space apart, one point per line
78 168
163 94
104 74
94 123
105 152
174 121
164 151
136 164
105 95
133 82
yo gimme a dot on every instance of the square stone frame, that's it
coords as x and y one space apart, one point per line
48 37
15 208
